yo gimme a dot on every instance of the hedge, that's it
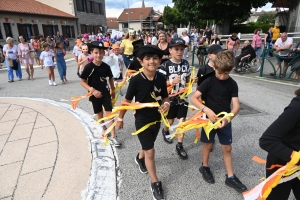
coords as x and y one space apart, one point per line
251 28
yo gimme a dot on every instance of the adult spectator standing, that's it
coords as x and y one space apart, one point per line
127 48
233 43
186 38
154 40
246 53
194 38
58 38
296 63
282 43
92 37
36 46
268 41
174 35
99 34
208 33
282 143
10 51
216 40
275 32
24 50
201 51
164 46
51 43
257 43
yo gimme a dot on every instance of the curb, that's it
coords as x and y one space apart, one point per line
102 183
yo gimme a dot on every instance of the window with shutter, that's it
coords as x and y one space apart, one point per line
36 29
72 32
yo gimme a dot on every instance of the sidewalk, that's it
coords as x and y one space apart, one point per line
44 151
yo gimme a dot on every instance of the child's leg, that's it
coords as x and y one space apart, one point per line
171 121
49 72
113 131
205 153
227 159
150 164
52 74
180 139
60 71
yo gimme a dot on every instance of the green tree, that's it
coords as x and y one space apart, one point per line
221 11
266 18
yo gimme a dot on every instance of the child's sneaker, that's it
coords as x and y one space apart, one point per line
115 141
54 83
165 133
181 152
157 191
50 82
235 183
141 163
207 175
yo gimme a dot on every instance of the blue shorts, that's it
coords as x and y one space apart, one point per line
224 135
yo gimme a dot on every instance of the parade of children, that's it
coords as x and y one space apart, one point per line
169 99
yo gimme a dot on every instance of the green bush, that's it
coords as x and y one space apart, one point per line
241 28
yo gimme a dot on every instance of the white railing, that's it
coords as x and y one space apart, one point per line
248 36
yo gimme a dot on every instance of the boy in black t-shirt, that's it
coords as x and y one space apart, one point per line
219 91
177 71
93 78
144 87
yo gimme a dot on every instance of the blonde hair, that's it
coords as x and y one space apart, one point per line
224 61
9 39
127 36
166 38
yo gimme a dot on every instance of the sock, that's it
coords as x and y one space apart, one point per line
179 144
231 177
167 132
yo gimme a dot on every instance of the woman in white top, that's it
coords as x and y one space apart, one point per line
186 38
24 50
10 52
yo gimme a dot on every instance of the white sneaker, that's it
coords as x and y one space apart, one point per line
54 83
115 141
50 82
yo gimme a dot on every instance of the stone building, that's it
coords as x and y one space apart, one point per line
30 17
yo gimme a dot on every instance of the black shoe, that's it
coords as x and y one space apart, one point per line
236 184
181 152
165 133
272 74
141 163
157 191
207 175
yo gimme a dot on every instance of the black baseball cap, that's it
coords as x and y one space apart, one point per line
95 44
149 49
215 48
177 41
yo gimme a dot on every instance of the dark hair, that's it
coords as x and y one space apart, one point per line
297 92
256 30
45 44
93 48
22 37
148 55
57 45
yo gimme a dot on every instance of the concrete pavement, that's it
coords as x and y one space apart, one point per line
181 179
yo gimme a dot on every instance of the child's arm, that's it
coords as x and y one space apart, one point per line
195 101
121 115
80 60
95 92
165 106
235 110
112 87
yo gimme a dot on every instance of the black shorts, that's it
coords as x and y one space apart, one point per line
177 111
286 61
148 136
104 101
224 135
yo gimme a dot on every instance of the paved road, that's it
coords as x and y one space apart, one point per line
181 179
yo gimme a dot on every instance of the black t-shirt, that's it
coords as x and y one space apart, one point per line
204 70
208 34
135 64
172 70
166 52
218 94
141 88
97 76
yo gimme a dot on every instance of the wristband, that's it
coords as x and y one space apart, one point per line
203 108
167 103
120 119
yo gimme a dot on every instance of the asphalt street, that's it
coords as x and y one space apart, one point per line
180 178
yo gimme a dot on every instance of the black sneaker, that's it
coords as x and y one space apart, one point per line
157 191
207 175
165 133
236 184
141 163
181 152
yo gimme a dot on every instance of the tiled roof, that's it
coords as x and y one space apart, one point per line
135 14
31 7
112 22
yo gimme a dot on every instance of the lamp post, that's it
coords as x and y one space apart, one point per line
128 14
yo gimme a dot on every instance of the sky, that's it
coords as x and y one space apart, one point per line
115 7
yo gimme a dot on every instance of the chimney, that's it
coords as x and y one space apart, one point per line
143 4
